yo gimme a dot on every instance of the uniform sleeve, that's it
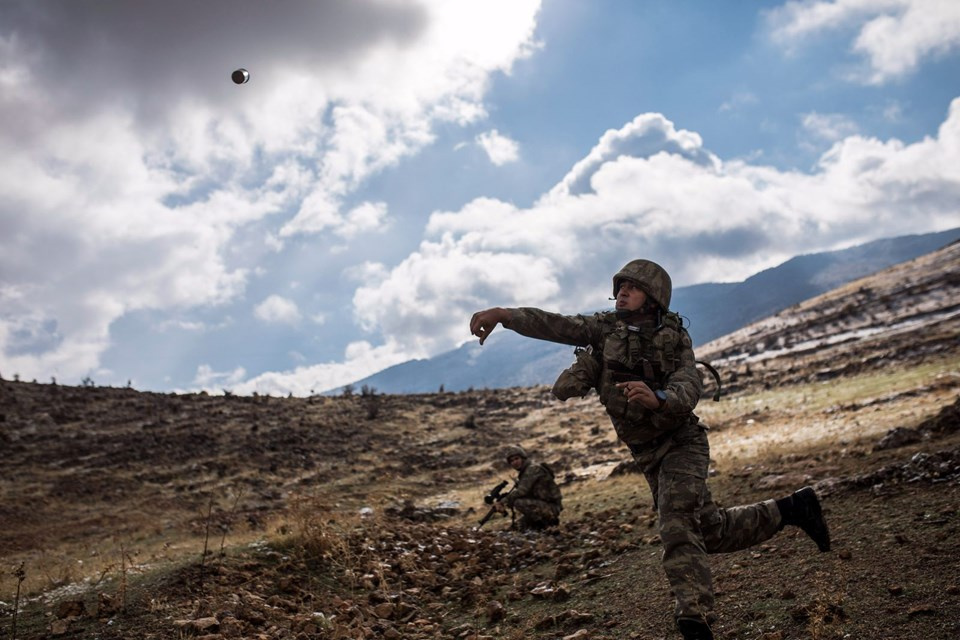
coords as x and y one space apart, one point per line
684 386
527 481
574 330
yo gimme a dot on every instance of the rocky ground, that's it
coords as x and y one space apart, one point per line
139 515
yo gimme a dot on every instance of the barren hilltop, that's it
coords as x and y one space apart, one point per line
142 515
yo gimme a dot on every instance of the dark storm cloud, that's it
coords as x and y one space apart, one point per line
150 54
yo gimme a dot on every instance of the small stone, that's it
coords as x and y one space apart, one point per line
59 627
70 609
921 610
495 611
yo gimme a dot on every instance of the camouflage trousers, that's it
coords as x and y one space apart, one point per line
535 513
691 524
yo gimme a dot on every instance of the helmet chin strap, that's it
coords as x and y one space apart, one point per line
627 314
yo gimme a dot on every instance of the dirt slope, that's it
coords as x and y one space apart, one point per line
354 517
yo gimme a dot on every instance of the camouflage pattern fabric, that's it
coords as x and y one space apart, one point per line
536 514
536 497
691 524
583 375
670 445
623 346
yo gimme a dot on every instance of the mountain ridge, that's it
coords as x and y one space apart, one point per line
712 309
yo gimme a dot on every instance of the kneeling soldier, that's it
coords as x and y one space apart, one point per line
536 496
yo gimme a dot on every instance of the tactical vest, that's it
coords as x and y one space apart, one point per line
648 351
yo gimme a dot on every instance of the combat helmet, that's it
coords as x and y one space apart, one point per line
515 450
650 277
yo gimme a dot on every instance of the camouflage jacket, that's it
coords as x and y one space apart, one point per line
660 355
535 481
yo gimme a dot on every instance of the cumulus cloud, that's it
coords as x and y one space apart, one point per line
320 214
648 134
129 162
679 204
361 359
208 379
499 148
277 309
894 36
828 126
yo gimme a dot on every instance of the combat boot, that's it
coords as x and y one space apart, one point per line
694 629
802 509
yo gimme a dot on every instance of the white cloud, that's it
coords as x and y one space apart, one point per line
210 380
366 271
893 111
367 217
647 135
738 101
829 126
361 359
499 148
895 36
703 219
277 309
132 177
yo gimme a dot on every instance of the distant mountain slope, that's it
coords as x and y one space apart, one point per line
712 309
906 312
717 309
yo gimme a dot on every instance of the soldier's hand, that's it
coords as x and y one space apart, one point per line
484 322
638 391
499 508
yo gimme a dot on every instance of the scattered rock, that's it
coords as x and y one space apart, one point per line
921 610
70 609
495 611
59 627
898 437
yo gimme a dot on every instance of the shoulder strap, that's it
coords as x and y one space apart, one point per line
716 376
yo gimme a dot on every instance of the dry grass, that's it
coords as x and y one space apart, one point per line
804 417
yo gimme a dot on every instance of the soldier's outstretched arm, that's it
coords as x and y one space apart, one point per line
484 322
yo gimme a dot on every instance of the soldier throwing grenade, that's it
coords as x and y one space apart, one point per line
649 384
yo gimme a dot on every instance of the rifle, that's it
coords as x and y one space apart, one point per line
494 496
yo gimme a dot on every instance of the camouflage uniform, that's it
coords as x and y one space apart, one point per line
670 444
536 497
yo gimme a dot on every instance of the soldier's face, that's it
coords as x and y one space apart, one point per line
630 297
515 461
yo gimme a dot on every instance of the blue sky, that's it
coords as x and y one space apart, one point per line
392 167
